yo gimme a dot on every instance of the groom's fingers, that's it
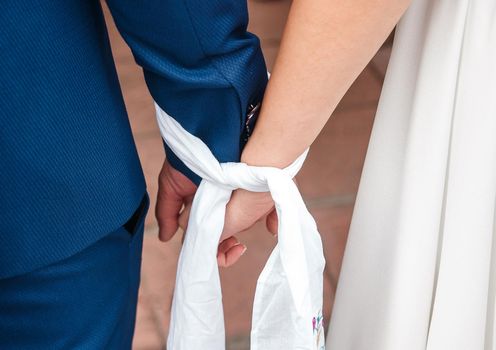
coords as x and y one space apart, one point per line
167 212
184 216
174 190
272 222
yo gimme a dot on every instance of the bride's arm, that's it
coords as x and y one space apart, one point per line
326 44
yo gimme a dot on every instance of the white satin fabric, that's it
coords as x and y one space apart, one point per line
287 312
419 270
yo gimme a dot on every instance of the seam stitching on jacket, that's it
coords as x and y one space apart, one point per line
212 61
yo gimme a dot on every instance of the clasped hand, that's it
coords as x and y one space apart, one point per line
174 199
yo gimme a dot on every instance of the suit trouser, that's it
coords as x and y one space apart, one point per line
87 301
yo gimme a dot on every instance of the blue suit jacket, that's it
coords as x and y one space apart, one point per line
69 170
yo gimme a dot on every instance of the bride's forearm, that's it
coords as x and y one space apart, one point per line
325 45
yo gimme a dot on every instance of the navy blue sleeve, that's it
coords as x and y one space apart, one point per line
200 63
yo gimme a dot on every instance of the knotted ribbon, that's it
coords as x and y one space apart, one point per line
287 311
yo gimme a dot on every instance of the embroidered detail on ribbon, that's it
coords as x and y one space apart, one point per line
318 330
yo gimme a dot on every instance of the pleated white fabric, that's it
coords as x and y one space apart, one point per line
287 311
419 270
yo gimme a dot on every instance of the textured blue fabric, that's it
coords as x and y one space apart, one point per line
201 65
69 170
86 301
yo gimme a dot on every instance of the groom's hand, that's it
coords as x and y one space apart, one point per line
174 191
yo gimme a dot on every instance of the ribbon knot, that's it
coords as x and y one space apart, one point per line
198 157
289 289
254 179
242 176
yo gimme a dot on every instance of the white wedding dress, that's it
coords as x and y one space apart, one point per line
419 270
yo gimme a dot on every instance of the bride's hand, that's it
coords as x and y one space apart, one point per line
242 212
246 208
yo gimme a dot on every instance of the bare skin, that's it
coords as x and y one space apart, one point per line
174 198
325 46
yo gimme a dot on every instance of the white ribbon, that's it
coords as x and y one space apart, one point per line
287 311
